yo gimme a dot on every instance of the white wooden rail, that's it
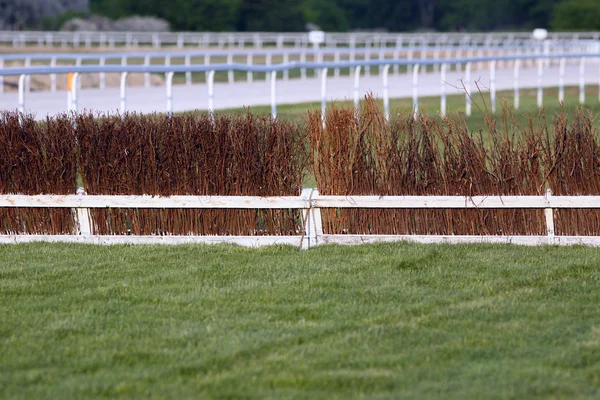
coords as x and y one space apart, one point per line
311 203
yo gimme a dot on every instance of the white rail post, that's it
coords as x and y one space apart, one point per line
53 76
207 62
146 74
286 59
356 88
170 93
386 94
313 222
323 94
493 85
210 80
443 90
249 62
549 214
367 57
167 64
102 75
540 90
274 94
268 60
22 79
123 91
303 60
561 80
83 217
188 74
582 81
468 88
230 76
516 99
415 92
27 77
74 87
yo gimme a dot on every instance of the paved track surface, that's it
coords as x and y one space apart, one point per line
293 91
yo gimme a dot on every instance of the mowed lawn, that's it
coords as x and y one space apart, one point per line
375 321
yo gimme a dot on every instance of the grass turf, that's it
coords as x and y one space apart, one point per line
378 321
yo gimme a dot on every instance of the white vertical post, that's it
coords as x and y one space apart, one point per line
561 80
493 85
582 81
516 83
249 62
549 214
230 76
443 90
386 94
210 80
83 217
102 78
123 91
356 87
27 77
53 76
188 74
415 92
273 94
170 93
323 94
303 60
74 87
540 90
22 79
146 74
468 88
167 64
207 62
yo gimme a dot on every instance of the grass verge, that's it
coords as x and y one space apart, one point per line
385 321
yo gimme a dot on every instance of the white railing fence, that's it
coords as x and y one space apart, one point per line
311 203
322 68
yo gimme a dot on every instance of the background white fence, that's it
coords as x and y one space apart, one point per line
311 203
489 64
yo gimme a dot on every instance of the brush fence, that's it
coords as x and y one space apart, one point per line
311 203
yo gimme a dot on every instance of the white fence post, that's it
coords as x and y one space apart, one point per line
356 88
443 90
468 88
323 94
582 81
493 85
561 80
386 94
540 90
549 215
273 94
415 92
22 79
83 217
74 88
516 84
123 91
170 93
210 81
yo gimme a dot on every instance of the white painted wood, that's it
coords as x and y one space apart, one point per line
549 215
75 201
518 240
247 241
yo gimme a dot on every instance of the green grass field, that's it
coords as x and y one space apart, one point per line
377 321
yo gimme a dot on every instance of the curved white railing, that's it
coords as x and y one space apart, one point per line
322 68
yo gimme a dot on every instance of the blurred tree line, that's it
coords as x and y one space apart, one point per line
329 15
343 15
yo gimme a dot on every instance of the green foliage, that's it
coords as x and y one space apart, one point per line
577 15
